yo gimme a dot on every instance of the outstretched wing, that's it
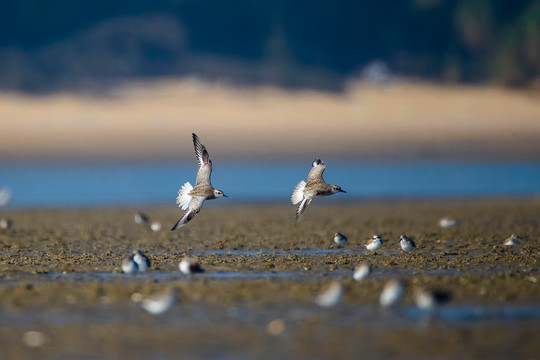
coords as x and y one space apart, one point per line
305 202
195 207
205 164
316 172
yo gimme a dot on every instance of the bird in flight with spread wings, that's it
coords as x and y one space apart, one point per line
315 187
192 198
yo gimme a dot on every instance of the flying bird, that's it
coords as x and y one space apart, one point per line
192 198
315 187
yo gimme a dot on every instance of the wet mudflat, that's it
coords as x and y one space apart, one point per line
60 276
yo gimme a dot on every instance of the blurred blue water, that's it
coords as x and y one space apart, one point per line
142 184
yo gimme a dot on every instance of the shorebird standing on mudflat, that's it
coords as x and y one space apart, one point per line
392 293
129 266
5 223
340 239
158 303
141 218
315 187
374 243
512 240
136 262
142 261
190 266
361 271
192 198
406 243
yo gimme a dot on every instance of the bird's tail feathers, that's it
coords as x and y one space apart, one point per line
298 193
183 199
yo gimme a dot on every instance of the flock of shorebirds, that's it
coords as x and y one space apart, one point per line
191 199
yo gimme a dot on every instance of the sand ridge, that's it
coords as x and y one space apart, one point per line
155 120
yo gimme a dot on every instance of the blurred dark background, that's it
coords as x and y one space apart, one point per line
55 45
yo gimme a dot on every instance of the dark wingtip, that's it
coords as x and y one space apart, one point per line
317 162
195 138
176 225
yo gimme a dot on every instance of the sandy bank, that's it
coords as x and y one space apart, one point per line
155 121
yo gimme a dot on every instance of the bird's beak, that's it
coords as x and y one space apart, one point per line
225 195
343 191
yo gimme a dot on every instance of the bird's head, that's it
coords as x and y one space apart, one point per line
219 193
337 189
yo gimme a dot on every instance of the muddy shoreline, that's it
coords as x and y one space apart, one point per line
60 275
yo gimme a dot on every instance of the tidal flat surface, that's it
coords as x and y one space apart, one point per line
60 277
